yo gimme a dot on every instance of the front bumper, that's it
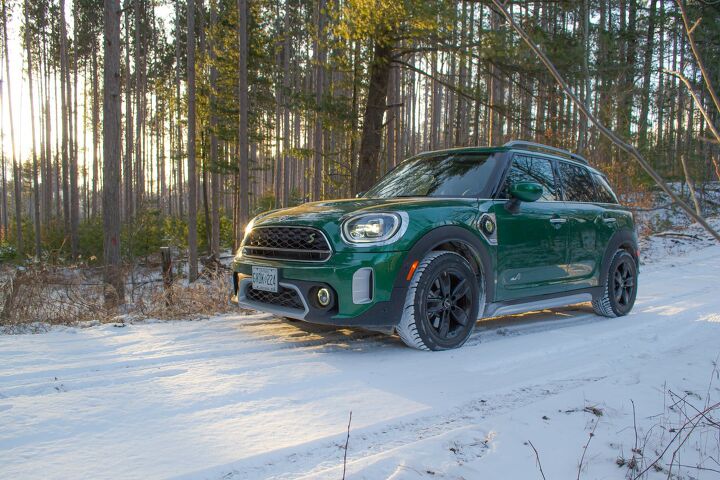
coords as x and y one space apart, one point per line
298 283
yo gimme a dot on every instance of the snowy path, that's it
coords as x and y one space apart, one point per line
248 397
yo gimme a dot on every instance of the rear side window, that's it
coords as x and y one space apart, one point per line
531 169
604 192
577 183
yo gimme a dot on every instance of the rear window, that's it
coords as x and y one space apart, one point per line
578 185
604 192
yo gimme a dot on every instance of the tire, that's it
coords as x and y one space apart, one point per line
441 305
621 283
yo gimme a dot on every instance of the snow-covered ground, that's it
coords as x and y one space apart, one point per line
252 397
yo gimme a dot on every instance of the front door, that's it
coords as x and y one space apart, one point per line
533 242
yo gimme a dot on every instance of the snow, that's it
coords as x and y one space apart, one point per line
253 397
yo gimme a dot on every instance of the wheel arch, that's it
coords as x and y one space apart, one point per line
455 239
624 239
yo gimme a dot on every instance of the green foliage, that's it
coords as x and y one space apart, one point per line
148 232
7 252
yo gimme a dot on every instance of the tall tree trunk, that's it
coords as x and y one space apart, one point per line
139 105
48 176
215 188
17 177
244 167
371 140
319 52
95 124
191 168
178 124
647 68
585 18
111 154
127 167
65 118
36 185
287 54
74 191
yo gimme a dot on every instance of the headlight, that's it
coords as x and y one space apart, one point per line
373 228
249 227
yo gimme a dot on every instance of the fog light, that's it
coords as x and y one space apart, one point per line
323 297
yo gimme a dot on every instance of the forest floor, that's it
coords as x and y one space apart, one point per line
253 397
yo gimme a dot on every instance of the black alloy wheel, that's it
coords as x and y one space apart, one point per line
624 285
448 304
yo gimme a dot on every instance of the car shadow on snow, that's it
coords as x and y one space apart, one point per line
328 338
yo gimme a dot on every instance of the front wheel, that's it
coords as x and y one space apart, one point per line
441 305
620 287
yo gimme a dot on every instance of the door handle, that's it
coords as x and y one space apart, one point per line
558 221
610 220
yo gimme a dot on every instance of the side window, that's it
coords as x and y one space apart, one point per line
604 192
530 169
577 183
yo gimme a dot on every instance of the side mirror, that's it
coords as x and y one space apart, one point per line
523 192
526 191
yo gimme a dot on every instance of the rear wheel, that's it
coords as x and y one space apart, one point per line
441 305
620 287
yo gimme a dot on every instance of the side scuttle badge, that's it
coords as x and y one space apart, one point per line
488 227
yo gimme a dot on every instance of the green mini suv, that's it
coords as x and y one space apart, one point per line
444 239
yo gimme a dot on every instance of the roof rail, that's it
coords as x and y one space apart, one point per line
541 147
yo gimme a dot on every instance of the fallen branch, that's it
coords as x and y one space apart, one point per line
677 234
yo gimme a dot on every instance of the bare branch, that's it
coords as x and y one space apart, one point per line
689 31
631 149
697 101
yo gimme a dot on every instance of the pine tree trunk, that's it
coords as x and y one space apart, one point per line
127 167
17 177
179 180
287 54
319 82
371 140
244 203
111 154
74 191
215 188
647 67
36 186
191 167
95 124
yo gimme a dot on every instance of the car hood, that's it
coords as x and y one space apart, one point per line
318 214
423 215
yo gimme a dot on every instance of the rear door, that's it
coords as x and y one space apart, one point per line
532 243
590 226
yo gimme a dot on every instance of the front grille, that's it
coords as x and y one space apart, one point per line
285 297
287 243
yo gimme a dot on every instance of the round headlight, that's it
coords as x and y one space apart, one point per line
371 227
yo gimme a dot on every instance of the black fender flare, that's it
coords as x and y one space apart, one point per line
445 234
624 239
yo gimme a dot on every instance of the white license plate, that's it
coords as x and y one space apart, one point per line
265 278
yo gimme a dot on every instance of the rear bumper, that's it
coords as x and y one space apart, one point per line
298 284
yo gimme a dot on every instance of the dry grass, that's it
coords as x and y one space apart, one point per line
35 297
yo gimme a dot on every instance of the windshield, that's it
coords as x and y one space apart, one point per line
438 175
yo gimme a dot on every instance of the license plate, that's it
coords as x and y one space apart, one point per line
265 278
